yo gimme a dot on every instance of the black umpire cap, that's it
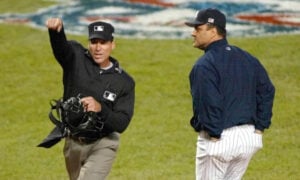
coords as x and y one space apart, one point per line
101 30
210 15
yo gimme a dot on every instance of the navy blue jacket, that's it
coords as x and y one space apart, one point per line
229 87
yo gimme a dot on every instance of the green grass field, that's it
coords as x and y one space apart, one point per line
159 143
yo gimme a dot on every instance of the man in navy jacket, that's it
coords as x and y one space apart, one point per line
232 100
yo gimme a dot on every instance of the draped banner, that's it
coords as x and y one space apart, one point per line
165 18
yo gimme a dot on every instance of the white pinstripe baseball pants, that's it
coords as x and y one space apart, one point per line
228 158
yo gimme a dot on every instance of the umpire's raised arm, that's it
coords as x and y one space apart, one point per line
62 50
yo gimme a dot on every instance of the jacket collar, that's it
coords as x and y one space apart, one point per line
216 44
115 68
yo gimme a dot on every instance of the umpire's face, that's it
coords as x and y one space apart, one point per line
101 50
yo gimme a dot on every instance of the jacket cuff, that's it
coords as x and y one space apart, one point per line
216 136
104 112
259 128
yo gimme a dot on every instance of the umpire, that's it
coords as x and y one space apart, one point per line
108 91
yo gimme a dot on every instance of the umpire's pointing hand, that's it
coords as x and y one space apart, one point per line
54 24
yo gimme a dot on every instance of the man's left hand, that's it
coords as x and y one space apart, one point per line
90 104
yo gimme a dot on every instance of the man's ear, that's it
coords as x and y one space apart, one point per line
89 43
215 30
113 44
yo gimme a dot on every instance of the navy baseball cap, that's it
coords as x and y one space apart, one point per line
101 30
210 15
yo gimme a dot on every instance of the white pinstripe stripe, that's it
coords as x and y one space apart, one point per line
229 157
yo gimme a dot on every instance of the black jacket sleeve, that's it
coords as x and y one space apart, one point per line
118 118
61 48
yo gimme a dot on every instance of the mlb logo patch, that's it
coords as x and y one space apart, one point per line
98 28
211 20
109 96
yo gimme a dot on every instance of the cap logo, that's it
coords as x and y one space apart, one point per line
98 28
211 20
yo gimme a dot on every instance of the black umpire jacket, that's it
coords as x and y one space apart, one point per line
113 88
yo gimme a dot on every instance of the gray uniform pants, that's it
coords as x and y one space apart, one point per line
91 161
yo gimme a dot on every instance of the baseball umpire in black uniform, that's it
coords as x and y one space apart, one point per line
106 90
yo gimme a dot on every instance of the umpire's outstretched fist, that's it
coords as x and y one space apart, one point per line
54 24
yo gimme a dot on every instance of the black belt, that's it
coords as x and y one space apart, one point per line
83 140
88 140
